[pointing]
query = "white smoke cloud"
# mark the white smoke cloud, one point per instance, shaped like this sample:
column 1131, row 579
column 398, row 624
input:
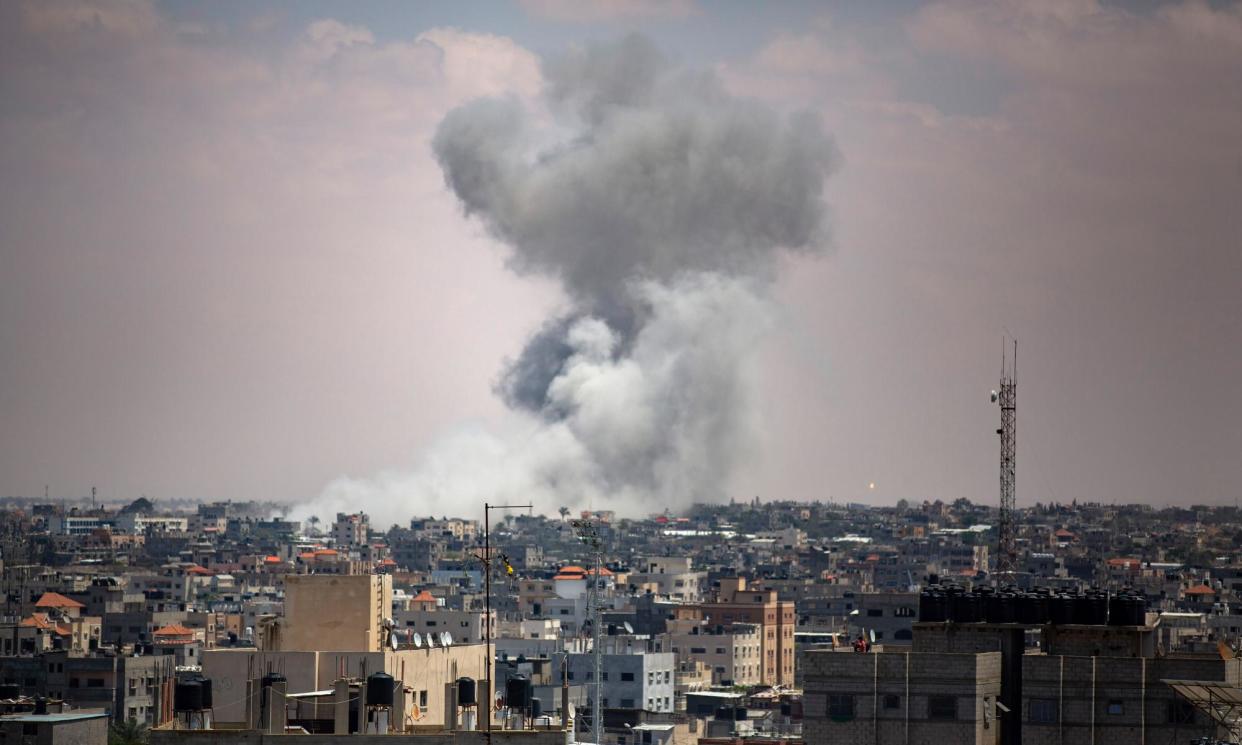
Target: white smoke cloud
column 660, row 426
column 660, row 204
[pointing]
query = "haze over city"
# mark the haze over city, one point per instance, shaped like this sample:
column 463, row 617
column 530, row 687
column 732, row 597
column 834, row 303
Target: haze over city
column 283, row 251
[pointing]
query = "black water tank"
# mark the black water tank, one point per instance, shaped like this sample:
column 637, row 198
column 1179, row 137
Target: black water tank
column 999, row 607
column 10, row 691
column 1061, row 609
column 1099, row 608
column 466, row 692
column 517, row 692
column 739, row 714
column 272, row 678
column 932, row 607
column 188, row 696
column 206, row 684
column 536, row 708
column 1127, row 609
column 724, row 712
column 40, row 705
column 379, row 689
column 964, row 608
column 1032, row 609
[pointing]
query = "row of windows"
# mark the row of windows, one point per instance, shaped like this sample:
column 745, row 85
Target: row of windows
column 841, row 706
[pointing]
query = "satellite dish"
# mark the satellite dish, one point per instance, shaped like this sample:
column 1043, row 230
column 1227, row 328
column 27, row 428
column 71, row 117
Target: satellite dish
column 446, row 639
column 417, row 640
column 628, row 628
column 393, row 641
column 994, row 396
column 431, row 641
column 873, row 636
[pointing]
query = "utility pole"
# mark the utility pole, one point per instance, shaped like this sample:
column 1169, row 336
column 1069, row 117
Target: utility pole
column 588, row 533
column 487, row 604
column 1007, row 398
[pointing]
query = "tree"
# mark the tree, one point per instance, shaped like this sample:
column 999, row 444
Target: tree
column 564, row 513
column 128, row 732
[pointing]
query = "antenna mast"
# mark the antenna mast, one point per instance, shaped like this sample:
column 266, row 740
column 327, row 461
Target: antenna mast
column 1007, row 397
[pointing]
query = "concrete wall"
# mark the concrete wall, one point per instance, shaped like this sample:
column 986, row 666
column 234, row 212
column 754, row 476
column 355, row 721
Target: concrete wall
column 80, row 732
column 226, row 737
column 339, row 612
column 1112, row 701
column 907, row 681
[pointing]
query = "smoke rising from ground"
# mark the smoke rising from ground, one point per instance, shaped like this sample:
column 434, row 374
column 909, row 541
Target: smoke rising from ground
column 660, row 204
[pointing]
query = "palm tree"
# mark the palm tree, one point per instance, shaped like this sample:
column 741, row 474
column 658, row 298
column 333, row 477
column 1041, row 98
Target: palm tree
column 314, row 522
column 128, row 732
column 564, row 513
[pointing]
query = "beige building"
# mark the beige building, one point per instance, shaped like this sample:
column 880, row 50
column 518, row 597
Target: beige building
column 733, row 656
column 423, row 674
column 334, row 612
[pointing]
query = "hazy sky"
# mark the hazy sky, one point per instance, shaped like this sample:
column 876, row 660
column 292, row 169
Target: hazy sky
column 230, row 268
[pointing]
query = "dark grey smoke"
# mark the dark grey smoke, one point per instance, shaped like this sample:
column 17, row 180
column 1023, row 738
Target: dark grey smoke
column 659, row 202
column 645, row 171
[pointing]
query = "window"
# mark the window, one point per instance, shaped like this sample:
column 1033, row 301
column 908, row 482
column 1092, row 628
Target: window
column 941, row 707
column 626, row 677
column 1115, row 707
column 840, row 707
column 892, row 702
column 903, row 612
column 875, row 612
column 422, row 699
column 720, row 650
column 1042, row 711
column 698, row 650
column 603, row 675
column 95, row 683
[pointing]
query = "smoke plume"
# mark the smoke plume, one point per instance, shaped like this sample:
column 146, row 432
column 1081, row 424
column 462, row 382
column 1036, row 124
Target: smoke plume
column 660, row 203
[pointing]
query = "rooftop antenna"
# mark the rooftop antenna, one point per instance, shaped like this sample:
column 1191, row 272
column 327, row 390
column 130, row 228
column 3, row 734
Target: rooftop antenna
column 1007, row 397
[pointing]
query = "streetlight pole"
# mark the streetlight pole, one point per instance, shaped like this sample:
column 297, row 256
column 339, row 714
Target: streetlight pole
column 487, row 603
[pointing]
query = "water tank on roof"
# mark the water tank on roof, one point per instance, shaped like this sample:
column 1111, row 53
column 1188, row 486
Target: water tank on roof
column 380, row 689
column 536, row 708
column 188, row 696
column 206, row 684
column 933, row 606
column 999, row 607
column 517, row 692
column 1061, row 609
column 9, row 691
column 272, row 678
column 466, row 692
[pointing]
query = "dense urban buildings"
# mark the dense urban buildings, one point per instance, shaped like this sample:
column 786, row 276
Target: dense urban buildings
column 771, row 622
